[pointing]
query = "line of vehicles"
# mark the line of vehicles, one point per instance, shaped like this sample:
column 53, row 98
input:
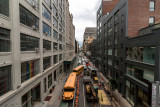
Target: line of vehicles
column 90, row 81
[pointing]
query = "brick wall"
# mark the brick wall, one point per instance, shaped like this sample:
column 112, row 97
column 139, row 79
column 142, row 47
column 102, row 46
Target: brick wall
column 109, row 5
column 138, row 15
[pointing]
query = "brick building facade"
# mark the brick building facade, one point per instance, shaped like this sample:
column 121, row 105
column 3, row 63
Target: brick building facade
column 124, row 50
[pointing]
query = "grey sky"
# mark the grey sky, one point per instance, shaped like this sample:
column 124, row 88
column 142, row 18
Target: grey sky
column 84, row 15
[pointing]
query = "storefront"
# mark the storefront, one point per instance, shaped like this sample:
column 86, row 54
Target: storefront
column 137, row 96
column 32, row 97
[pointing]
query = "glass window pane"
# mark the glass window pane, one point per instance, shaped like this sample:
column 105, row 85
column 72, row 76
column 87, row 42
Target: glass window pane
column 151, row 20
column 4, row 40
column 29, row 69
column 151, row 6
column 29, row 43
column 46, row 45
column 48, row 2
column 46, row 29
column 27, row 18
column 46, row 62
column 34, row 3
column 5, row 79
column 4, row 7
column 46, row 13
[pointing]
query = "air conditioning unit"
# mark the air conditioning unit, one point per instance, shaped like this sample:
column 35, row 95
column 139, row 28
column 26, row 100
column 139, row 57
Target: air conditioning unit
column 36, row 50
column 44, row 49
column 33, row 5
column 34, row 27
column 46, row 33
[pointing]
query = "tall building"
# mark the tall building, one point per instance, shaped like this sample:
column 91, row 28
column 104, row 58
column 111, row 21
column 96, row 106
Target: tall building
column 76, row 47
column 32, row 49
column 70, row 41
column 88, row 37
column 126, row 48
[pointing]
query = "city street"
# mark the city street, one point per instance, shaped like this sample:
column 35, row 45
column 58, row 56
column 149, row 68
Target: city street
column 82, row 98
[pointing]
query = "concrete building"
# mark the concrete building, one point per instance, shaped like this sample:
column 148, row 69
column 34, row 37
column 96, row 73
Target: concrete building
column 76, row 47
column 70, row 41
column 33, row 40
column 123, row 50
column 88, row 37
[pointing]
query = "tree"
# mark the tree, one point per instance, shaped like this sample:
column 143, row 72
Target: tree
column 113, row 85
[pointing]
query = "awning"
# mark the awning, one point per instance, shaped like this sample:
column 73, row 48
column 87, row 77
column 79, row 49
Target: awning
column 70, row 60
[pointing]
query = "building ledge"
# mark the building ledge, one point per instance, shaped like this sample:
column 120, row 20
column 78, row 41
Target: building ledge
column 70, row 60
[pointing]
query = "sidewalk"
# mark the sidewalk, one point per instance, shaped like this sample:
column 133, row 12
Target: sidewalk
column 55, row 101
column 122, row 101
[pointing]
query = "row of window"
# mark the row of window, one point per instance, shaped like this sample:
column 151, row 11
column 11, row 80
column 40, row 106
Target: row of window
column 28, row 43
column 29, row 69
column 33, row 95
column 29, row 19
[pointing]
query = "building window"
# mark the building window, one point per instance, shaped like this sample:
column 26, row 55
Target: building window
column 116, row 52
column 109, row 31
column 29, row 69
column 60, row 47
column 34, row 3
column 116, row 39
column 55, row 34
column 130, row 92
column 4, row 40
column 142, row 74
column 55, row 58
column 55, row 46
column 29, row 43
column 49, row 80
column 151, row 6
column 46, row 62
column 46, row 13
column 116, row 65
column 60, row 57
column 60, row 28
column 151, row 20
column 116, row 27
column 109, row 22
column 5, row 79
column 55, row 22
column 27, row 99
column 109, row 61
column 55, row 12
column 45, row 85
column 27, row 18
column 109, row 41
column 60, row 37
column 116, row 16
column 4, row 7
column 60, row 71
column 142, row 54
column 48, row 2
column 109, row 51
column 46, row 29
column 46, row 45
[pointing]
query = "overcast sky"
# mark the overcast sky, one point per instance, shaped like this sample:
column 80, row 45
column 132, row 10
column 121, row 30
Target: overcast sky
column 84, row 15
